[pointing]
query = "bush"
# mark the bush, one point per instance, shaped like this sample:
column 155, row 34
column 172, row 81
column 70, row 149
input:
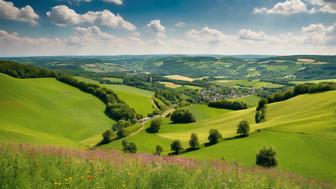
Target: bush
column 155, row 125
column 266, row 157
column 128, row 147
column 232, row 105
column 120, row 111
column 243, row 128
column 214, row 136
column 260, row 115
column 176, row 146
column 182, row 116
column 121, row 124
column 107, row 136
column 158, row 150
column 193, row 142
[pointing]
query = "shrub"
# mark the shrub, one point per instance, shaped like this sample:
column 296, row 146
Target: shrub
column 232, row 105
column 158, row 150
column 266, row 157
column 214, row 136
column 260, row 115
column 182, row 116
column 155, row 125
column 121, row 124
column 193, row 142
column 243, row 128
column 107, row 136
column 128, row 147
column 176, row 146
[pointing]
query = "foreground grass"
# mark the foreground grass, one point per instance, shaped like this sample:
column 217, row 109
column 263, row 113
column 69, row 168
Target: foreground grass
column 26, row 166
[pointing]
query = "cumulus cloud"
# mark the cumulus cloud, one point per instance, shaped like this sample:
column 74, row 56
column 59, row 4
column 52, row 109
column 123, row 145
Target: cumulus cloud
column 156, row 26
column 8, row 11
column 320, row 34
column 180, row 24
column 283, row 8
column 62, row 15
column 247, row 34
column 324, row 6
column 206, row 34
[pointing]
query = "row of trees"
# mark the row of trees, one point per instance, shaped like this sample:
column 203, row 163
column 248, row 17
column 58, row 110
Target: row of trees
column 302, row 89
column 260, row 115
column 115, row 108
column 232, row 105
column 24, row 70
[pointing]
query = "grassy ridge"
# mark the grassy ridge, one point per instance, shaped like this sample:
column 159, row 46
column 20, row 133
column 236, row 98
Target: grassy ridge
column 46, row 167
column 48, row 111
column 139, row 99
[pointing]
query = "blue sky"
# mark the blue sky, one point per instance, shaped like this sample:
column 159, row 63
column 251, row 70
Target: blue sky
column 108, row 27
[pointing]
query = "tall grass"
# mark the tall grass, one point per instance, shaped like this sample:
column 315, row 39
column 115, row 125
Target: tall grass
column 31, row 166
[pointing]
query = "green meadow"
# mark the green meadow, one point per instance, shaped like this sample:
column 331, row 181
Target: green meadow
column 50, row 112
column 301, row 129
column 139, row 99
column 246, row 83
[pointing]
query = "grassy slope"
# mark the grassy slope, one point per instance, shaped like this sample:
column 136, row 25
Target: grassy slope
column 251, row 100
column 47, row 111
column 139, row 99
column 302, row 129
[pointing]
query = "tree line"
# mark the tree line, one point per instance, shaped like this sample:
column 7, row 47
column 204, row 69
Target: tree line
column 232, row 105
column 25, row 70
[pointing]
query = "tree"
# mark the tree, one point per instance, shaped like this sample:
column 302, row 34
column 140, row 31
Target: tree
column 182, row 116
column 124, row 144
column 158, row 150
column 193, row 142
column 243, row 128
column 266, row 157
column 214, row 136
column 155, row 125
column 132, row 148
column 176, row 146
column 107, row 136
column 262, row 103
column 122, row 132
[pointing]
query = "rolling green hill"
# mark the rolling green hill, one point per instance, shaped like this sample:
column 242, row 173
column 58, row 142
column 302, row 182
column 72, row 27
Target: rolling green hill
column 139, row 99
column 48, row 111
column 302, row 130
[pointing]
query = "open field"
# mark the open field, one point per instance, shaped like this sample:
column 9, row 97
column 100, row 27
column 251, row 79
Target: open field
column 50, row 112
column 179, row 77
column 50, row 167
column 301, row 129
column 313, row 81
column 170, row 85
column 139, row 99
column 251, row 100
column 246, row 83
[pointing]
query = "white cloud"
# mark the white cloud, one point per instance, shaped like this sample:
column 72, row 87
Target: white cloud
column 289, row 7
column 209, row 35
column 283, row 8
column 320, row 34
column 117, row 2
column 155, row 26
column 324, row 6
column 247, row 34
column 62, row 15
column 8, row 11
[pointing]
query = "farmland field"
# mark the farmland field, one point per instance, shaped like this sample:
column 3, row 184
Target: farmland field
column 246, row 83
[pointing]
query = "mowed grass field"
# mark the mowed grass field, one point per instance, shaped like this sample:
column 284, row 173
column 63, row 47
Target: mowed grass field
column 313, row 81
column 50, row 112
column 139, row 99
column 251, row 100
column 301, row 129
column 246, row 83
